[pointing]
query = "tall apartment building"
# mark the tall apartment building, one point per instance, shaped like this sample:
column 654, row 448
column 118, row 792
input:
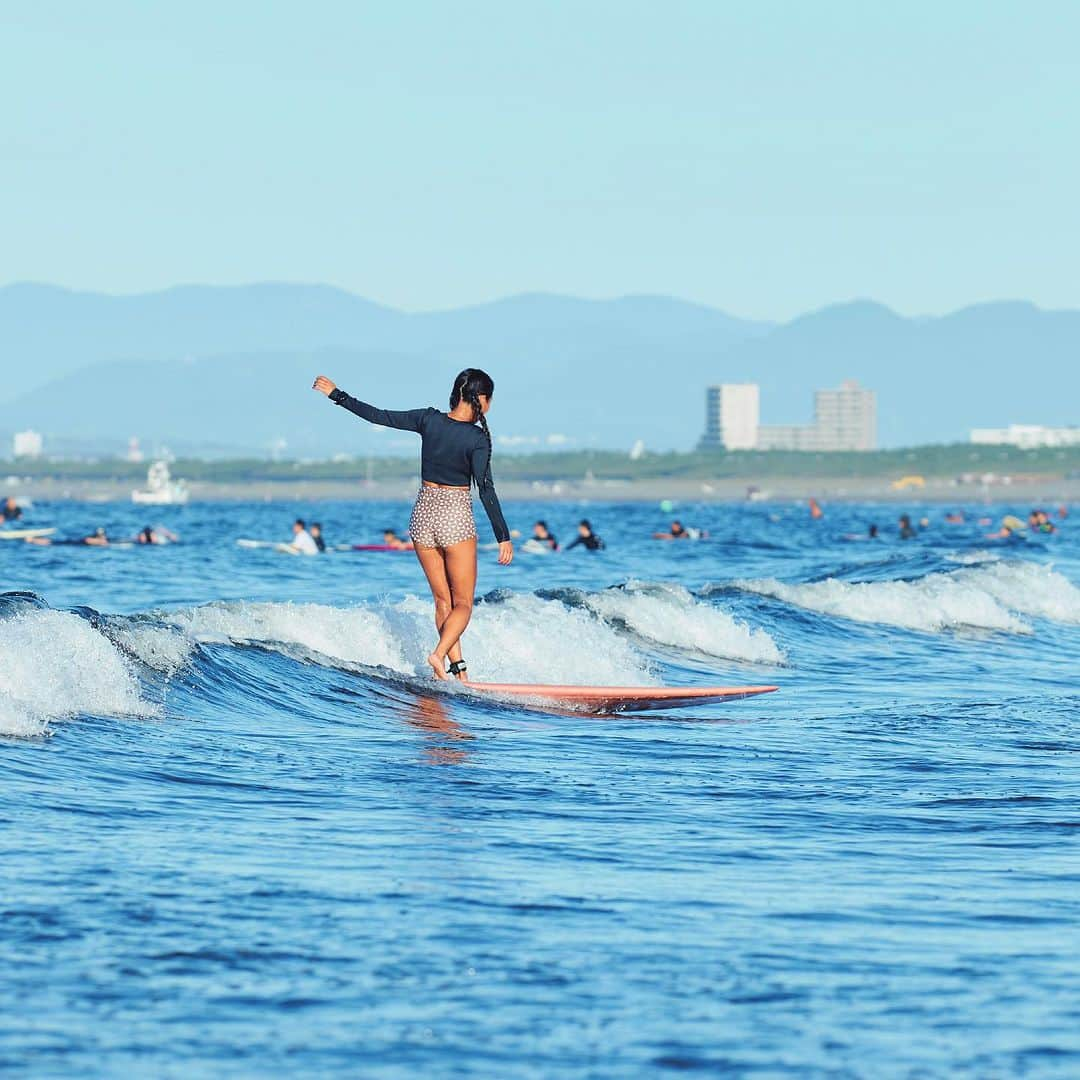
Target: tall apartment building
column 846, row 418
column 731, row 417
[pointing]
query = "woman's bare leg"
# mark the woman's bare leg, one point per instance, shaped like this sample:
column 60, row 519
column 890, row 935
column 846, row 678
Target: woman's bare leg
column 433, row 563
column 459, row 561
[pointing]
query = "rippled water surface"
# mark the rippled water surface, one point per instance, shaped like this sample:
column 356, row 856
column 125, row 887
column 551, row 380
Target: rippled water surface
column 243, row 835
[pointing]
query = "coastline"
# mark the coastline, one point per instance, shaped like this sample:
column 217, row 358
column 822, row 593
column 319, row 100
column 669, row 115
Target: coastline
column 1030, row 489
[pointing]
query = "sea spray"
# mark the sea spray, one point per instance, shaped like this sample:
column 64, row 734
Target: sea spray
column 53, row 665
column 994, row 596
column 354, row 634
column 669, row 615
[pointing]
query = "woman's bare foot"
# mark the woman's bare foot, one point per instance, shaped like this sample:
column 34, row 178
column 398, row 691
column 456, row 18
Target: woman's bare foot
column 437, row 663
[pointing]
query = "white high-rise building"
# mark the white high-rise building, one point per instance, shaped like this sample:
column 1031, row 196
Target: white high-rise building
column 846, row 418
column 732, row 411
column 28, row 444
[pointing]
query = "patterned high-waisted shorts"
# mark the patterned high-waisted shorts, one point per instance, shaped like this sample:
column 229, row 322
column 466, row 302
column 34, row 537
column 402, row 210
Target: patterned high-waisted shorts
column 442, row 516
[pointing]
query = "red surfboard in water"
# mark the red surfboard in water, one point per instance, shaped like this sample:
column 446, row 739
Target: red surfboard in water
column 618, row 698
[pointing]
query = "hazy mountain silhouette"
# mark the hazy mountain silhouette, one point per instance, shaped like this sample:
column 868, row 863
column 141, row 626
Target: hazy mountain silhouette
column 201, row 365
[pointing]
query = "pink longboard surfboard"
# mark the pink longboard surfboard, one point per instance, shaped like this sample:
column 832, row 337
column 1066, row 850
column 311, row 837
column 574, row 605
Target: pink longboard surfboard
column 619, row 698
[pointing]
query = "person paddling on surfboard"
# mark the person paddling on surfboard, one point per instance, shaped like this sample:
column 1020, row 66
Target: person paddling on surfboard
column 391, row 539
column 454, row 453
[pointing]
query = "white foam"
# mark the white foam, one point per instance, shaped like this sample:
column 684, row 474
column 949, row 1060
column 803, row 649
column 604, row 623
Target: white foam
column 670, row 615
column 55, row 665
column 989, row 597
column 521, row 639
column 355, row 634
column 162, row 648
column 524, row 639
column 1030, row 588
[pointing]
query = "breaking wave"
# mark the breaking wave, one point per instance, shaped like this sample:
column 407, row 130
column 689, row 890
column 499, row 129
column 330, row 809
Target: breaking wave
column 999, row 596
column 55, row 665
column 670, row 615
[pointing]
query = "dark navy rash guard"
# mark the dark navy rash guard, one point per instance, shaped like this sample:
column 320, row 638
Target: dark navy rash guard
column 453, row 452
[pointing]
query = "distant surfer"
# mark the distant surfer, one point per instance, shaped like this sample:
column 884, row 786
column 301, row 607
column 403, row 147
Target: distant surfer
column 11, row 510
column 586, row 537
column 1011, row 526
column 454, row 454
column 156, row 534
column 303, row 543
column 1039, row 521
column 906, row 530
column 392, row 540
column 815, row 510
column 679, row 531
column 317, row 536
column 98, row 538
column 870, row 534
column 544, row 537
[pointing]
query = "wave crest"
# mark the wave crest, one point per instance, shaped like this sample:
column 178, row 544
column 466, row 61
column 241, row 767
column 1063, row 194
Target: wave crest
column 54, row 665
column 992, row 596
column 669, row 615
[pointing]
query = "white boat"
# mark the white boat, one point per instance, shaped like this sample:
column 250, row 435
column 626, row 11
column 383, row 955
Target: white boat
column 161, row 488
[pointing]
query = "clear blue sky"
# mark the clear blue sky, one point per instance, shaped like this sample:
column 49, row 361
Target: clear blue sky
column 764, row 157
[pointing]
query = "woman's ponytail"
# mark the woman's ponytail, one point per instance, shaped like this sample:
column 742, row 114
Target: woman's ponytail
column 470, row 385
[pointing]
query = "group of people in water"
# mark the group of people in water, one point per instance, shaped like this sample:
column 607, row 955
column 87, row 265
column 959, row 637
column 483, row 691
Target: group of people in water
column 1011, row 527
column 543, row 537
column 100, row 538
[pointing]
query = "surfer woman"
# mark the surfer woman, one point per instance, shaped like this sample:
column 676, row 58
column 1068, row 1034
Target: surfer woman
column 454, row 453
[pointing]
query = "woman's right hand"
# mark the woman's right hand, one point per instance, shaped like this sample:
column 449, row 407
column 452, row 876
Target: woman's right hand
column 323, row 385
column 506, row 552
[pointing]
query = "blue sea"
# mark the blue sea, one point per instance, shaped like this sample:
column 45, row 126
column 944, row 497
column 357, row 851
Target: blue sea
column 243, row 835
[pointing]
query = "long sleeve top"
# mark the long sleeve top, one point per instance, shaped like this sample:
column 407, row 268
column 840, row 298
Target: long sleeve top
column 453, row 452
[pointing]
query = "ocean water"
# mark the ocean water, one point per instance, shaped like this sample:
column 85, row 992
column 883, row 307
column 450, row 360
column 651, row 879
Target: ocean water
column 244, row 835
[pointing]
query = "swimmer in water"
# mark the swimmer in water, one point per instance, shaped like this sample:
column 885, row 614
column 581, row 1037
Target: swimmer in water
column 676, row 532
column 1011, row 526
column 586, row 537
column 317, row 536
column 156, row 534
column 543, row 535
column 906, row 531
column 955, row 518
column 1043, row 523
column 392, row 540
column 11, row 510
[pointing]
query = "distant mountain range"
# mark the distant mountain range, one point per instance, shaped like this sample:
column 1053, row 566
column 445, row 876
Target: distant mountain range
column 229, row 368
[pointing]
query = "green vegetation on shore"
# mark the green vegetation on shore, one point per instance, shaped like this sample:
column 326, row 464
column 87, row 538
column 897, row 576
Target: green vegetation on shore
column 926, row 461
